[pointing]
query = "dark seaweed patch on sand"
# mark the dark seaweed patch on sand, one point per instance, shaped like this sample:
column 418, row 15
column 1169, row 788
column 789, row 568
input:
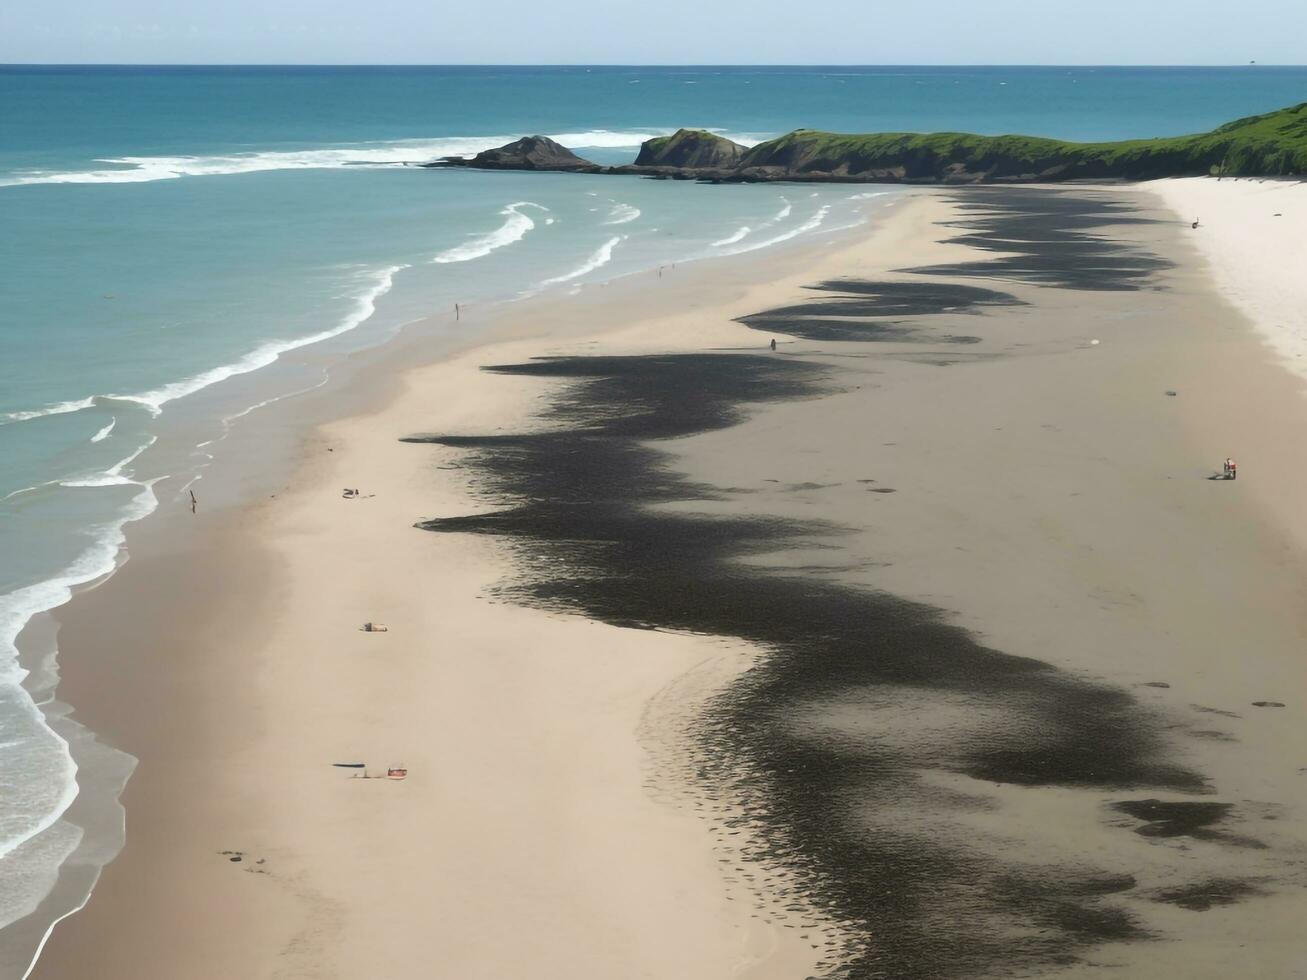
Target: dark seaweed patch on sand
column 1208, row 894
column 1201, row 821
column 1171, row 819
column 822, row 751
column 1053, row 237
column 845, row 315
column 909, row 298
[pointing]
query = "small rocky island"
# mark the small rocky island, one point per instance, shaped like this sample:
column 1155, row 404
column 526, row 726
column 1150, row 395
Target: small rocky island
column 528, row 153
column 1273, row 144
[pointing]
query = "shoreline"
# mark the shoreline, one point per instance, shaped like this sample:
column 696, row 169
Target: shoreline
column 368, row 385
column 267, row 549
column 253, row 459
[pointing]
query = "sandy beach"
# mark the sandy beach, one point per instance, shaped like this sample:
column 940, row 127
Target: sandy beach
column 925, row 645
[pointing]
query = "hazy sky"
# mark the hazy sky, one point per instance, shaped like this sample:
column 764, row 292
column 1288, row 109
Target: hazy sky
column 657, row 32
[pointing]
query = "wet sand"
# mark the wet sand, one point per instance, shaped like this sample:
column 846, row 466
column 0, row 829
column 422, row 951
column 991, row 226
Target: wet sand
column 921, row 647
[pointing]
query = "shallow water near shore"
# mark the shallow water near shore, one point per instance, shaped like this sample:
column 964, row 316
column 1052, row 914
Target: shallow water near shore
column 185, row 245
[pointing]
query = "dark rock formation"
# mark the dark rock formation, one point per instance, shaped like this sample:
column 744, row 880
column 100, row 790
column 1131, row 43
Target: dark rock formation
column 528, row 153
column 691, row 149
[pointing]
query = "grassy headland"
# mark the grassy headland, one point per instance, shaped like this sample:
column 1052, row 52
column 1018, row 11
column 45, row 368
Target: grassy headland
column 1274, row 143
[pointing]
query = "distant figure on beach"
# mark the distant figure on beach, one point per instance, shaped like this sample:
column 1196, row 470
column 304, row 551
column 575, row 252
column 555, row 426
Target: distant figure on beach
column 1231, row 469
column 193, row 501
column 457, row 312
column 1195, row 224
column 375, row 628
column 773, row 343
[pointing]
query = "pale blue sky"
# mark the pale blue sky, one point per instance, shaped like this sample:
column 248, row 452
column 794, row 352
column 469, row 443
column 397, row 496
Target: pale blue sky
column 657, row 32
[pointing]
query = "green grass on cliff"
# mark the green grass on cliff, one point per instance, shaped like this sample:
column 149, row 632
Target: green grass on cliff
column 1271, row 144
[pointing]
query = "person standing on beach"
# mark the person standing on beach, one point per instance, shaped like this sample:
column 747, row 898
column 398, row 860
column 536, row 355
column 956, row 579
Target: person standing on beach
column 773, row 343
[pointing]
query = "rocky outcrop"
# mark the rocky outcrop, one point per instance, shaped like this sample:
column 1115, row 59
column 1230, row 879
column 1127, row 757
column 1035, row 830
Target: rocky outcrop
column 690, row 149
column 1272, row 144
column 528, row 153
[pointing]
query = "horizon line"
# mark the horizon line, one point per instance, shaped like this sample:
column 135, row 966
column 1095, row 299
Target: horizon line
column 624, row 65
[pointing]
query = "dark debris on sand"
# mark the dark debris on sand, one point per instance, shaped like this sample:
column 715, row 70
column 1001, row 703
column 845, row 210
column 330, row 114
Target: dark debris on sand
column 576, row 498
column 1058, row 238
column 846, row 314
column 1208, row 894
column 807, row 780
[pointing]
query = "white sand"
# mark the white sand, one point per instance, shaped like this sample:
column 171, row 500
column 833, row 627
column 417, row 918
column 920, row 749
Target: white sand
column 1253, row 233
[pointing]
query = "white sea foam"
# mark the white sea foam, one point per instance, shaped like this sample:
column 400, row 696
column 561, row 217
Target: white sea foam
column 38, row 781
column 236, row 416
column 104, row 433
column 744, row 231
column 24, row 490
column 514, row 229
column 31, row 870
column 599, row 258
column 113, row 476
column 811, row 224
column 141, row 169
column 622, row 214
column 732, row 239
column 365, row 304
column 58, row 408
column 390, row 153
column 606, row 139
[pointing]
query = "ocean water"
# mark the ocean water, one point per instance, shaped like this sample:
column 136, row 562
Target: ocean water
column 181, row 245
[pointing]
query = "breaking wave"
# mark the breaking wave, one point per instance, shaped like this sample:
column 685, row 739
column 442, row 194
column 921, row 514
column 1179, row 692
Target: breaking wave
column 365, row 305
column 732, row 239
column 514, row 229
column 390, row 153
column 598, row 259
column 622, row 214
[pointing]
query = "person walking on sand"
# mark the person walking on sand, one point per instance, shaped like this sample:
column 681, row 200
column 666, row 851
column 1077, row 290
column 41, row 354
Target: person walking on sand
column 773, row 343
column 1231, row 469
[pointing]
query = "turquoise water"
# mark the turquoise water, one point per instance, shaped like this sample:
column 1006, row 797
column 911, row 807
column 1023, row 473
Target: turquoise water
column 180, row 244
